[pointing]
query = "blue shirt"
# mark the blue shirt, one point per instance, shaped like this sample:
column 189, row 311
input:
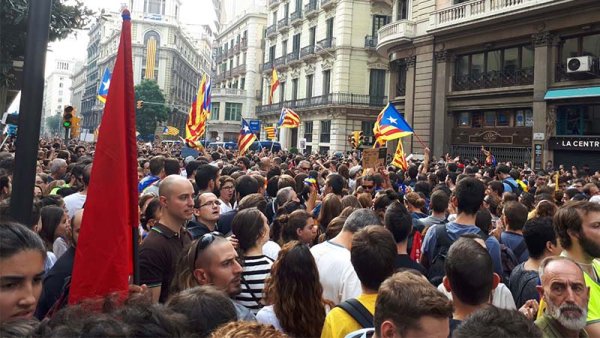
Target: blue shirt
column 512, row 241
column 507, row 187
column 146, row 182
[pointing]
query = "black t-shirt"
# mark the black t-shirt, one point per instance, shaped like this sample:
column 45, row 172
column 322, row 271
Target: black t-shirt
column 454, row 324
column 404, row 262
column 159, row 253
column 522, row 285
column 54, row 282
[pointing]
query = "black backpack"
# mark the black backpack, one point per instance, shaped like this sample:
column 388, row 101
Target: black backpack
column 510, row 259
column 436, row 271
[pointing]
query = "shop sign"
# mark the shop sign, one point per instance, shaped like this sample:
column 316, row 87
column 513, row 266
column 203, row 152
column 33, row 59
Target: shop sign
column 575, row 143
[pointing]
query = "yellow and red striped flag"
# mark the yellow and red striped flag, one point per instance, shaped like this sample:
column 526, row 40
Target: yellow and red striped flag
column 246, row 138
column 196, row 122
column 270, row 132
column 274, row 85
column 399, row 160
column 288, row 119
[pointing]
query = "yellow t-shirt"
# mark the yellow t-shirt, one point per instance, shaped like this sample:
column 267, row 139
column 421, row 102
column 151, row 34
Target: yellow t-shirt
column 339, row 323
column 594, row 302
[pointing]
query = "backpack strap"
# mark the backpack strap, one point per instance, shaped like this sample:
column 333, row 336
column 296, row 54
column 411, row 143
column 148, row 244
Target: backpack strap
column 357, row 311
column 518, row 251
column 514, row 188
column 443, row 240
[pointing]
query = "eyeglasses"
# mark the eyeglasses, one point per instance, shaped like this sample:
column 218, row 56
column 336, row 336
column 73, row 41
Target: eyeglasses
column 304, row 168
column 229, row 187
column 211, row 203
column 203, row 242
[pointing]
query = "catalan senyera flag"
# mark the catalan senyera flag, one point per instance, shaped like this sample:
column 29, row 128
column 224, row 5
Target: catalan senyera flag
column 379, row 141
column 104, row 255
column 150, row 58
column 246, row 137
column 274, row 85
column 103, row 90
column 196, row 122
column 392, row 125
column 399, row 160
column 288, row 119
column 270, row 132
column 169, row 130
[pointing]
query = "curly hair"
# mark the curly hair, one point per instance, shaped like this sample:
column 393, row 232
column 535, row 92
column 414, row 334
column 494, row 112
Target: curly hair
column 295, row 292
column 243, row 329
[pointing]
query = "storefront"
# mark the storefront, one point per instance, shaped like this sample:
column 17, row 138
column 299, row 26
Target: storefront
column 578, row 151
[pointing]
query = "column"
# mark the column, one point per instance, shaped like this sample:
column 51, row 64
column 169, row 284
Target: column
column 409, row 101
column 442, row 127
column 542, row 60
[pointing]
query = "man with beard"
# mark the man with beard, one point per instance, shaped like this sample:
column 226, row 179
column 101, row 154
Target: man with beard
column 577, row 226
column 566, row 296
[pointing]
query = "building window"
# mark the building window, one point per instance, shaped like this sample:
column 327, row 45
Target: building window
column 401, row 79
column 377, row 84
column 581, row 120
column 326, row 82
column 495, row 118
column 505, row 67
column 402, row 10
column 154, row 6
column 294, row 89
column 378, row 22
column 214, row 110
column 281, row 91
column 308, row 130
column 60, row 85
column 579, row 46
column 233, row 111
column 309, row 86
column 325, row 131
column 242, row 83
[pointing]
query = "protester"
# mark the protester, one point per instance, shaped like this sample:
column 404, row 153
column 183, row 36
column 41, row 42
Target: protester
column 297, row 226
column 498, row 323
column 55, row 225
column 22, row 255
column 252, row 231
column 294, row 294
column 398, row 221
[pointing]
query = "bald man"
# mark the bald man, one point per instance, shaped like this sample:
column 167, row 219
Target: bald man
column 161, row 248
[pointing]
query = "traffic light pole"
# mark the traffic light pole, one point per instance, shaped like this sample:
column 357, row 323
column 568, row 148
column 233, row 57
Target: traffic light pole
column 66, row 135
column 38, row 25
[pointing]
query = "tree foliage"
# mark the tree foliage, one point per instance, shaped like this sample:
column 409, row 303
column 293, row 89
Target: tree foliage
column 53, row 125
column 13, row 28
column 154, row 109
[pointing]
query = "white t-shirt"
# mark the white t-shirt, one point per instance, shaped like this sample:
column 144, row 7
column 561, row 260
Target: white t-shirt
column 267, row 316
column 271, row 250
column 225, row 207
column 336, row 273
column 74, row 202
column 501, row 297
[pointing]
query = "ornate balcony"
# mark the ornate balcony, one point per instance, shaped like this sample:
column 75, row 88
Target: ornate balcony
column 311, row 9
column 230, row 52
column 244, row 44
column 477, row 11
column 307, row 52
column 241, row 69
column 218, row 57
column 327, row 4
column 561, row 74
column 266, row 67
column 332, row 99
column 271, row 31
column 283, row 25
column 273, row 3
column 228, row 92
column 371, row 42
column 394, row 34
column 325, row 45
column 293, row 57
column 296, row 18
column 493, row 79
column 236, row 48
column 279, row 62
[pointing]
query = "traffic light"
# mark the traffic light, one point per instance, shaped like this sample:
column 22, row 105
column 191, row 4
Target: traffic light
column 352, row 141
column 68, row 117
column 140, row 104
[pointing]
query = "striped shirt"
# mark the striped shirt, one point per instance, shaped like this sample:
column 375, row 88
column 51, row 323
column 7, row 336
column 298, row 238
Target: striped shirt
column 256, row 270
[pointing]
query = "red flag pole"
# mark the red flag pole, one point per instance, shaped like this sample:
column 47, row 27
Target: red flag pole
column 419, row 139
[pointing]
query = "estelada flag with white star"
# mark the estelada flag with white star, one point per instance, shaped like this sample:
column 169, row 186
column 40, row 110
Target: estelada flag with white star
column 392, row 125
column 103, row 90
column 246, row 137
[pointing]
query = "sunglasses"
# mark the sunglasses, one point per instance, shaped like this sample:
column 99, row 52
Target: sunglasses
column 203, row 242
column 367, row 187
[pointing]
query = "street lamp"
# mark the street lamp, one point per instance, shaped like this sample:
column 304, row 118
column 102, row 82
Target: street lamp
column 217, row 138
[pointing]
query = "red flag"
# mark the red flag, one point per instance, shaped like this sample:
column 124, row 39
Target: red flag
column 104, row 255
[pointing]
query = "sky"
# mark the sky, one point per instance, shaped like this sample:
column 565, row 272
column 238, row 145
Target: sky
column 74, row 47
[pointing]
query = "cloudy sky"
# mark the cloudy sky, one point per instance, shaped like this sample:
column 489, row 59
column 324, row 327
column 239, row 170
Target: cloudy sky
column 192, row 12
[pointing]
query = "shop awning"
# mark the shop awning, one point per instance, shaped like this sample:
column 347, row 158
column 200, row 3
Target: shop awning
column 571, row 93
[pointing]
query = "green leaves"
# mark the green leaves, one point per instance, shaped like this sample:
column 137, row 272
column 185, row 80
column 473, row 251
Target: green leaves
column 154, row 109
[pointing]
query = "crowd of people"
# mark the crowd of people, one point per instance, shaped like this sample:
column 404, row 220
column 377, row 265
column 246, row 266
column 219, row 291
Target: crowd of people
column 290, row 245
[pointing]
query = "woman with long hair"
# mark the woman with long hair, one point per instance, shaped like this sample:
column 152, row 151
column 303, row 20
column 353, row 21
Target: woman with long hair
column 22, row 256
column 294, row 294
column 55, row 224
column 330, row 209
column 297, row 226
column 251, row 229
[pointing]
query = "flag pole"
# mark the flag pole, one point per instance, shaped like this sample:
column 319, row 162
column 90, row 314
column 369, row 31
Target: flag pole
column 419, row 139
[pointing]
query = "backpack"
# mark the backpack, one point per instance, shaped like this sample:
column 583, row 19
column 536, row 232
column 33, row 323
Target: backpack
column 415, row 248
column 358, row 312
column 436, row 272
column 510, row 259
column 515, row 188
